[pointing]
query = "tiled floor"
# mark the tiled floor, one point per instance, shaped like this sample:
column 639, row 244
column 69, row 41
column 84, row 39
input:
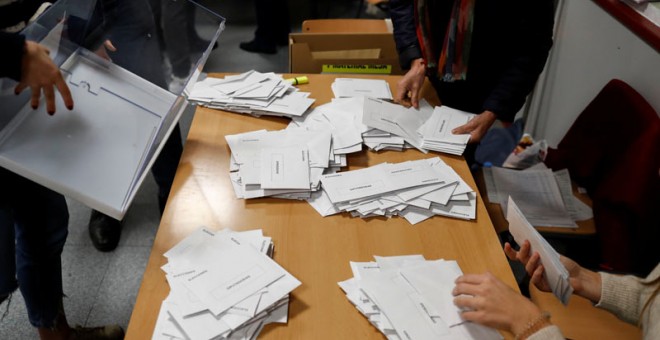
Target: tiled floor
column 101, row 287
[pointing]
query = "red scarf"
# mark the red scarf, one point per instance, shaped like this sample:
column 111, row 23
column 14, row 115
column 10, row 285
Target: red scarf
column 452, row 64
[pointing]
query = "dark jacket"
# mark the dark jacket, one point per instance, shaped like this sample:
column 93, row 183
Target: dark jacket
column 12, row 55
column 510, row 44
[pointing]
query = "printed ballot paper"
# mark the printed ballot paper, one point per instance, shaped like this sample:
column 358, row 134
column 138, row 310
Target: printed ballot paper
column 555, row 272
column 352, row 87
column 409, row 297
column 223, row 285
column 538, row 194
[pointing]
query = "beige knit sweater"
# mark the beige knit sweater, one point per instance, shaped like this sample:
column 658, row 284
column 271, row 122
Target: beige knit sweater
column 624, row 296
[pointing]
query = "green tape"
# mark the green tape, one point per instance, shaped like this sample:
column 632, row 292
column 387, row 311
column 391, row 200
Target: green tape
column 364, row 69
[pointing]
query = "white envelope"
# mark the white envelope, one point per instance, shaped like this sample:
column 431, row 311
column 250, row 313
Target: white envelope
column 285, row 168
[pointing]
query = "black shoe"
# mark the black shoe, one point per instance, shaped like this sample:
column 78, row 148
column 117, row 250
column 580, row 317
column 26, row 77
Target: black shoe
column 104, row 231
column 3, row 298
column 109, row 332
column 256, row 46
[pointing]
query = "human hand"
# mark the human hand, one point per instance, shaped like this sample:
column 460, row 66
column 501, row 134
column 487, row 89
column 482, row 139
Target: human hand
column 585, row 283
column 102, row 51
column 409, row 87
column 477, row 126
column 39, row 73
column 488, row 301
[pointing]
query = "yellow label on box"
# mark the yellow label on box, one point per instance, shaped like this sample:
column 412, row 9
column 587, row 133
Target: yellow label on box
column 365, row 69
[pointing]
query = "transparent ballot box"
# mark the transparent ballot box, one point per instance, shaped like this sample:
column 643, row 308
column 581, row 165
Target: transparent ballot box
column 127, row 64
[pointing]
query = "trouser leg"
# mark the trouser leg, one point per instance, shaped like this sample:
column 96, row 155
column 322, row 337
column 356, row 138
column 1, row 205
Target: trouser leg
column 165, row 166
column 176, row 33
column 8, row 282
column 41, row 227
column 272, row 20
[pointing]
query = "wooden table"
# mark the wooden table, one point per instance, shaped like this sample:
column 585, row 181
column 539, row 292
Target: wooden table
column 316, row 250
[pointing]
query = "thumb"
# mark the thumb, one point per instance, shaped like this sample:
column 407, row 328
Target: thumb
column 463, row 129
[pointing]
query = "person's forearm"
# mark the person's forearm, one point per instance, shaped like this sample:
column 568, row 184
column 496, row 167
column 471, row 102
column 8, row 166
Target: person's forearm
column 588, row 284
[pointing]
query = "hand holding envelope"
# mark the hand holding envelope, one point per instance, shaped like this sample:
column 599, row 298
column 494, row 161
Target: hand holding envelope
column 555, row 272
column 409, row 297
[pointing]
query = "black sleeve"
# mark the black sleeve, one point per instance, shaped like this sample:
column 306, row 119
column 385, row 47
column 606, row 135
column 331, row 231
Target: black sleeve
column 534, row 40
column 402, row 13
column 13, row 46
column 18, row 11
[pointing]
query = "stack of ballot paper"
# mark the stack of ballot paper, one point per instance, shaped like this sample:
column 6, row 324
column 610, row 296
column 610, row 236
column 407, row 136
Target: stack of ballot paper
column 416, row 190
column 410, row 298
column 223, row 285
column 538, row 195
column 436, row 131
column 351, row 87
column 555, row 272
column 286, row 163
column 252, row 93
column 545, row 198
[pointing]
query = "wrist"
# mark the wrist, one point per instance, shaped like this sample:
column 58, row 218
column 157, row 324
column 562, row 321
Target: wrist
column 419, row 65
column 28, row 51
column 588, row 285
column 525, row 313
column 538, row 322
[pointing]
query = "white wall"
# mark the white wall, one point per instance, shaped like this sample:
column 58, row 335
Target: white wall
column 591, row 47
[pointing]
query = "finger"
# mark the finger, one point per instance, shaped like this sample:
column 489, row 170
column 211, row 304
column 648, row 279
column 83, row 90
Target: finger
column 405, row 101
column 523, row 253
column 474, row 316
column 510, row 252
column 414, row 97
column 50, row 99
column 19, row 88
column 533, row 263
column 466, row 302
column 537, row 278
column 400, row 95
column 108, row 44
column 470, row 278
column 64, row 92
column 463, row 129
column 475, row 136
column 36, row 95
column 471, row 289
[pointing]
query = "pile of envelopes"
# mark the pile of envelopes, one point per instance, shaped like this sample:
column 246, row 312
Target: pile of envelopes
column 252, row 93
column 396, row 120
column 382, row 125
column 436, row 131
column 408, row 297
column 555, row 272
column 285, row 163
column 415, row 190
column 345, row 118
column 223, row 285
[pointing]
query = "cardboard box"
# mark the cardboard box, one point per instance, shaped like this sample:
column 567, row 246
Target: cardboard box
column 363, row 53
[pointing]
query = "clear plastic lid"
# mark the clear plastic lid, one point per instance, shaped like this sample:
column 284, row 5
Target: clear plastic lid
column 127, row 63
